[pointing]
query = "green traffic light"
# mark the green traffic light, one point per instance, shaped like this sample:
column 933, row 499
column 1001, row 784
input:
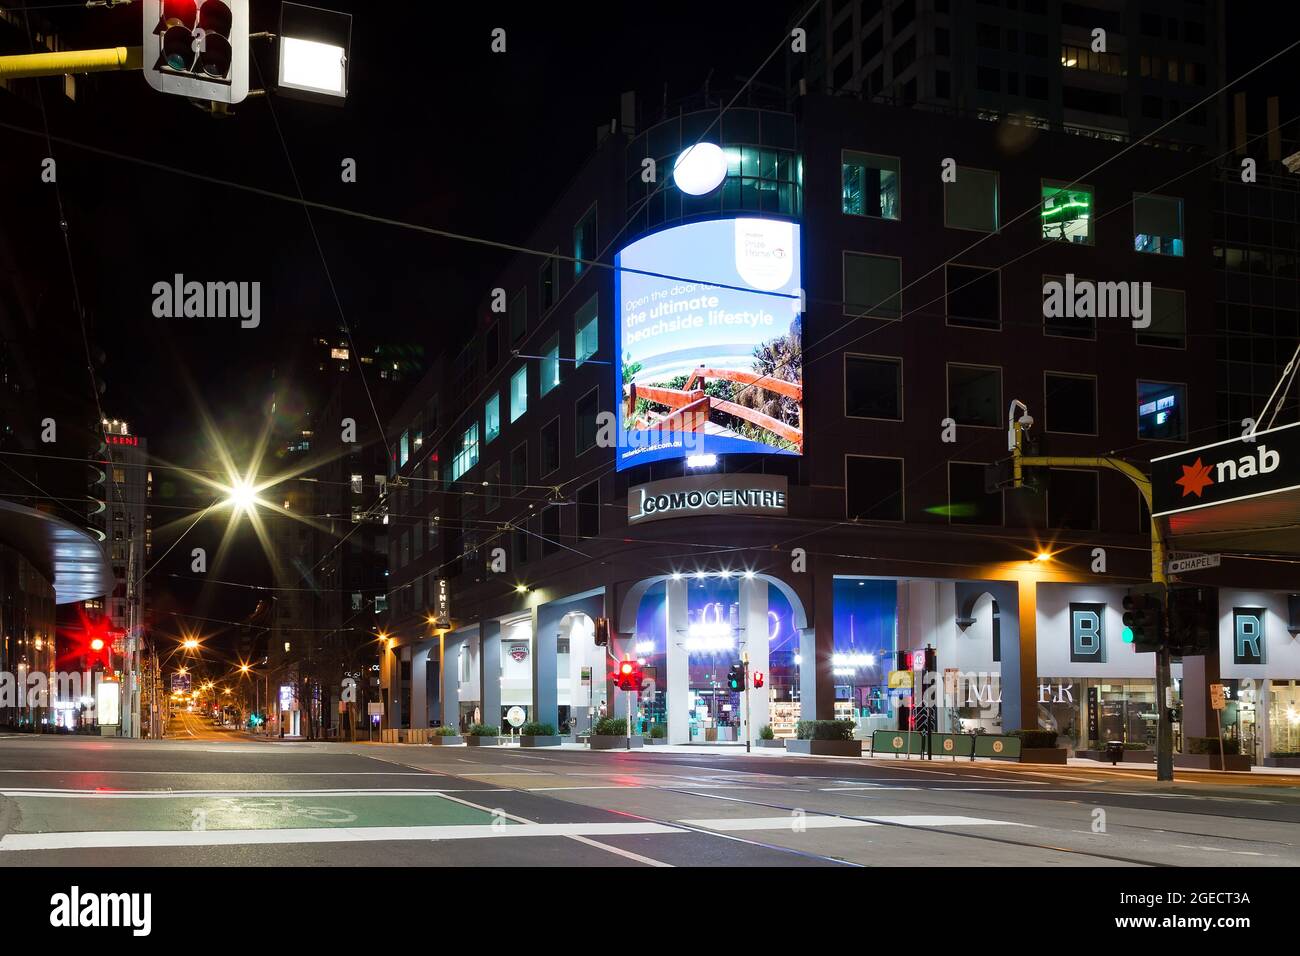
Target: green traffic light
column 1127, row 634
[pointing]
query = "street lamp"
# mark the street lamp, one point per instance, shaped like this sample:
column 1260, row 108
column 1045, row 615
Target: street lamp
column 314, row 47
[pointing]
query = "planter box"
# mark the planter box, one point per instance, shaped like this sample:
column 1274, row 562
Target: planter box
column 481, row 741
column 774, row 744
column 528, row 740
column 656, row 741
column 1043, row 755
column 825, row 748
column 439, row 741
column 1282, row 761
column 1211, row 762
column 603, row 742
column 1130, row 756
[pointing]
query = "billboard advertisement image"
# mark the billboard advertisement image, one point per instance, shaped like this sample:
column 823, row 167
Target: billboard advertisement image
column 708, row 341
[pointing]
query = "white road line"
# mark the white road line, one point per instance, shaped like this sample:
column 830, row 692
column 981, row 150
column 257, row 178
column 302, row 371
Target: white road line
column 618, row 851
column 110, row 839
column 173, row 794
column 946, row 821
column 234, row 773
column 737, row 824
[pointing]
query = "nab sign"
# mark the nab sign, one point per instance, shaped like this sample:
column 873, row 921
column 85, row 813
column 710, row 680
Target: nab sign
column 1233, row 470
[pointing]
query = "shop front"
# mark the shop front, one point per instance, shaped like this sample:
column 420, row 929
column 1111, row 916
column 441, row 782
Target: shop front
column 1259, row 665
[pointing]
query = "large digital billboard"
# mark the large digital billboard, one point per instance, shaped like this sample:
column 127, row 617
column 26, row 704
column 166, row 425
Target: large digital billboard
column 708, row 341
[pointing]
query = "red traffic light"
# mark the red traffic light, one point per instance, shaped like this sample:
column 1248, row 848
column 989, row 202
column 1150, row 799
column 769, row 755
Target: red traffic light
column 97, row 644
column 758, row 678
column 628, row 676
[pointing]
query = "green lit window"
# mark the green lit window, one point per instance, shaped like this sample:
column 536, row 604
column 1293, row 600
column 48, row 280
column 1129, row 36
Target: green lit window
column 518, row 393
column 586, row 337
column 1067, row 212
column 466, row 454
column 492, row 419
column 870, row 185
column 550, row 366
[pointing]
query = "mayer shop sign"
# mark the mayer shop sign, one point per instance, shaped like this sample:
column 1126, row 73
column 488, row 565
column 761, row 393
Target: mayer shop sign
column 710, row 494
column 1233, row 470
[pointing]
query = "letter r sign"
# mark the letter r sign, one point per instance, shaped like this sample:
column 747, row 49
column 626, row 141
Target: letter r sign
column 1087, row 641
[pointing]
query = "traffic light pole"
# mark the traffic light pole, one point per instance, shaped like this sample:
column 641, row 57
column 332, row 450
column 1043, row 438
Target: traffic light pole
column 1021, row 461
column 744, row 669
column 107, row 60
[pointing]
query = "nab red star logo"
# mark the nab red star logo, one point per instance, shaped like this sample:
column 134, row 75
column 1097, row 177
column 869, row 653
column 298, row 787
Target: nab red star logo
column 1195, row 478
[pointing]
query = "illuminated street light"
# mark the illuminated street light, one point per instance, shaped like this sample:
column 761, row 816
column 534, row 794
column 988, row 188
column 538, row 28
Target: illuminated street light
column 314, row 47
column 190, row 644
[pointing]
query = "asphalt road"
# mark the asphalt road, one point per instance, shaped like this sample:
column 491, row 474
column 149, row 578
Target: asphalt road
column 207, row 796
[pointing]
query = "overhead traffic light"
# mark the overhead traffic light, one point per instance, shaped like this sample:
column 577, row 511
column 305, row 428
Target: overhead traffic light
column 1142, row 621
column 602, row 632
column 736, row 677
column 931, row 661
column 1193, row 620
column 197, row 48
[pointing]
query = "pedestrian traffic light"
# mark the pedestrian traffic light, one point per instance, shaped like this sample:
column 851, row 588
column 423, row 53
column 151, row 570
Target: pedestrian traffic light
column 931, row 660
column 628, row 675
column 736, row 677
column 1142, row 621
column 197, row 48
column 602, row 632
column 758, row 678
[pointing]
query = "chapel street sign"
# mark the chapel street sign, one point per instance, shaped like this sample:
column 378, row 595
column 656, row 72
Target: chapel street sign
column 1267, row 463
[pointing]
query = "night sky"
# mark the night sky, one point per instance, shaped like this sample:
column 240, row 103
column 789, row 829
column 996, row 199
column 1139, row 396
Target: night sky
column 444, row 132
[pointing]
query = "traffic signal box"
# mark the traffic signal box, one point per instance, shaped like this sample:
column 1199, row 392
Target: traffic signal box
column 736, row 677
column 1143, row 614
column 628, row 675
column 1193, row 614
column 197, row 48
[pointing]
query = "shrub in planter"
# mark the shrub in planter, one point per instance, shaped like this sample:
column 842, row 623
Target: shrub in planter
column 534, row 729
column 1284, row 753
column 658, row 732
column 1210, row 745
column 611, row 727
column 484, row 730
column 765, row 733
column 1034, row 739
column 445, row 732
column 825, row 730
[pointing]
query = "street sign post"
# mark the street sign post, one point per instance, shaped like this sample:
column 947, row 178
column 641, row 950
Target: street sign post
column 1195, row 563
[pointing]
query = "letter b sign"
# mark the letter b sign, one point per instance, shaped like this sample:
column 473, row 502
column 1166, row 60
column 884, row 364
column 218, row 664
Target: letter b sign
column 1087, row 644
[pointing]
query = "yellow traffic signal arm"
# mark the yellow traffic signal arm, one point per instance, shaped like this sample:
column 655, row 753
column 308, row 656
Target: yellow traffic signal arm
column 70, row 61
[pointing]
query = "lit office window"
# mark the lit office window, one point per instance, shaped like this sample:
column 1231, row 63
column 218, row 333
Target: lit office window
column 492, row 418
column 550, row 366
column 467, row 454
column 586, row 337
column 1067, row 213
column 1158, row 224
column 1161, row 408
column 870, row 185
column 518, row 393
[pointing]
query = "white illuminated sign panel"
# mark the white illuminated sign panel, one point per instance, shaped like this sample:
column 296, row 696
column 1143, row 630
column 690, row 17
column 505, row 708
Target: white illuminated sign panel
column 740, row 494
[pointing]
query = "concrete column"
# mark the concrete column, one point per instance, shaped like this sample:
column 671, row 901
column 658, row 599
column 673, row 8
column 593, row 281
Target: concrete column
column 816, row 648
column 1199, row 718
column 546, row 631
column 450, row 656
column 489, row 671
column 677, row 679
column 1020, row 661
column 753, row 618
column 419, row 686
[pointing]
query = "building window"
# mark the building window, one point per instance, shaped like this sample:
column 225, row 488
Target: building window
column 467, row 454
column 492, row 418
column 433, row 532
column 518, row 468
column 550, row 530
column 873, row 387
column 358, row 484
column 492, row 487
column 1065, row 325
column 1070, row 403
column 548, row 281
column 872, row 285
column 873, row 488
column 870, row 185
column 1067, row 212
column 587, row 408
column 404, row 449
column 975, row 395
column 1162, row 411
column 1168, row 314
column 968, row 502
column 586, row 336
column 519, row 315
column 589, row 510
column 973, row 297
column 519, row 545
column 518, row 393
column 584, row 240
column 491, row 347
column 550, row 446
column 1158, row 224
column 971, row 202
column 550, row 367
column 1072, row 499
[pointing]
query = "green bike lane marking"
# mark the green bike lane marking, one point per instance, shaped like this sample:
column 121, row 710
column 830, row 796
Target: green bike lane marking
column 63, row 814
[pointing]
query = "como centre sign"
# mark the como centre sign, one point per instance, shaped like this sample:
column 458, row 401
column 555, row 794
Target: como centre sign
column 706, row 495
